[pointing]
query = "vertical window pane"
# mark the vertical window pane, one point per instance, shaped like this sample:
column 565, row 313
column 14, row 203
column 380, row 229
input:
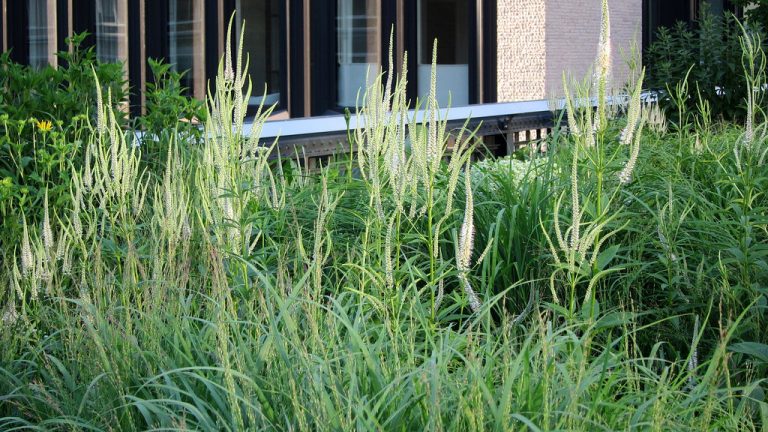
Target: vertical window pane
column 42, row 32
column 185, row 43
column 446, row 21
column 358, row 41
column 111, row 31
column 262, row 43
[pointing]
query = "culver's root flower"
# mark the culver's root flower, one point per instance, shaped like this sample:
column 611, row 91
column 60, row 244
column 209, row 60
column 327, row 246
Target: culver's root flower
column 10, row 316
column 573, row 126
column 474, row 301
column 440, row 294
column 634, row 112
column 655, row 117
column 388, row 268
column 625, row 176
column 467, row 233
column 27, row 259
column 48, row 239
column 604, row 44
column 603, row 65
column 229, row 73
column 434, row 151
column 575, row 206
column 100, row 117
column 466, row 243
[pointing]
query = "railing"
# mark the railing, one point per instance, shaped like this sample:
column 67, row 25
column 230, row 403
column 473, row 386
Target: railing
column 318, row 137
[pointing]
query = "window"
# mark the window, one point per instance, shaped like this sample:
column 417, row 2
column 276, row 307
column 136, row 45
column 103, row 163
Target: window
column 358, row 43
column 111, row 30
column 185, row 43
column 449, row 22
column 346, row 47
column 42, row 32
column 3, row 27
column 263, row 44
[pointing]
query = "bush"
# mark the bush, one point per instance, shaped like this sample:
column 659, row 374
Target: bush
column 46, row 119
column 167, row 104
column 708, row 55
column 62, row 93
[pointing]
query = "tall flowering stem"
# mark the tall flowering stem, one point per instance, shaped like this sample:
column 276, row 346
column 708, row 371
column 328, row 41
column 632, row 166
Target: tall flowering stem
column 603, row 66
column 466, row 243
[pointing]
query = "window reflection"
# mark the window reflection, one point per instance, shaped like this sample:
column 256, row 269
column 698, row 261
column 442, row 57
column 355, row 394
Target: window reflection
column 262, row 43
column 42, row 17
column 111, row 31
column 185, row 43
column 357, row 31
column 446, row 21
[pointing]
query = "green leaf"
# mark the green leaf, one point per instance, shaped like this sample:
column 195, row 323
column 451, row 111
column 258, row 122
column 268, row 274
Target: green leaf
column 607, row 256
column 753, row 349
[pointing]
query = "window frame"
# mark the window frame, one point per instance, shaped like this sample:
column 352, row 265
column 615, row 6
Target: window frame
column 285, row 104
column 157, row 18
column 324, row 49
column 475, row 55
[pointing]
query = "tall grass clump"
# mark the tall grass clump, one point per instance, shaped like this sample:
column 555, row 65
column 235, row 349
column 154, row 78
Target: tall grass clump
column 405, row 289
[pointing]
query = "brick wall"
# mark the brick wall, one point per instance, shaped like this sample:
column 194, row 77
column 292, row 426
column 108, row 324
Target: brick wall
column 538, row 40
column 521, row 49
column 573, row 32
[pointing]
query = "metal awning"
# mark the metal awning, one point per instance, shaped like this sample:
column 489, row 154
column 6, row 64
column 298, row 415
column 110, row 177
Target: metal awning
column 326, row 135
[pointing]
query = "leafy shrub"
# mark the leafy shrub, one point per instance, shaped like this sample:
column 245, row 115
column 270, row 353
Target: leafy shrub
column 167, row 104
column 711, row 51
column 46, row 119
column 755, row 11
column 61, row 93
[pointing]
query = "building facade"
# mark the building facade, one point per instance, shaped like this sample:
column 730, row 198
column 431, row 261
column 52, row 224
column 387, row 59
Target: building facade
column 313, row 56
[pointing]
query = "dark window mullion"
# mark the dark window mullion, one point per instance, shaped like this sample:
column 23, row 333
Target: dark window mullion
column 411, row 24
column 474, row 56
column 84, row 19
column 295, row 54
column 135, row 61
column 62, row 27
column 388, row 18
column 212, row 25
column 322, row 65
column 3, row 41
column 18, row 35
column 156, row 28
column 283, row 55
column 489, row 52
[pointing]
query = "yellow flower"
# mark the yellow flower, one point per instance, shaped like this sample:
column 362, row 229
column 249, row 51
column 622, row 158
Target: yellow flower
column 44, row 126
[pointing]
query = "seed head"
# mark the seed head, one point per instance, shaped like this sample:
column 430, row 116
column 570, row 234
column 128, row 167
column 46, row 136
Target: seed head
column 27, row 259
column 48, row 239
column 467, row 233
column 474, row 300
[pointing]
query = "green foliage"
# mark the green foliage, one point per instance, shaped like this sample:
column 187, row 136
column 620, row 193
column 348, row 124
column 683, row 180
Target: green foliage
column 47, row 118
column 755, row 11
column 710, row 49
column 61, row 93
column 615, row 282
column 167, row 104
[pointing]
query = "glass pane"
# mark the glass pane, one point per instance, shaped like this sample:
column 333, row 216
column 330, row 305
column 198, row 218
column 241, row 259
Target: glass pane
column 111, row 31
column 357, row 31
column 41, row 32
column 262, row 43
column 446, row 21
column 185, row 43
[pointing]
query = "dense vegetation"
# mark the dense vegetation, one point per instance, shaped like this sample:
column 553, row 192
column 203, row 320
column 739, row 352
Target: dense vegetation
column 617, row 281
column 706, row 57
